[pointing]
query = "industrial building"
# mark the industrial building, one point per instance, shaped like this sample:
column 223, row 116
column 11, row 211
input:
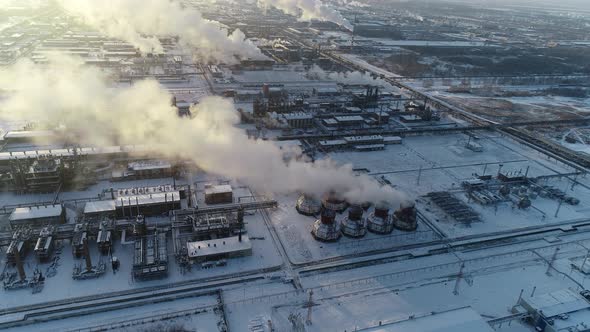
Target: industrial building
column 221, row 194
column 218, row 249
column 38, row 216
column 99, row 210
column 149, row 169
column 150, row 258
column 563, row 310
column 299, row 120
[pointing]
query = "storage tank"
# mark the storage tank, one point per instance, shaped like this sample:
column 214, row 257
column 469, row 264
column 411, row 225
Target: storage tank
column 380, row 221
column 332, row 202
column 404, row 218
column 326, row 228
column 308, row 205
column 353, row 224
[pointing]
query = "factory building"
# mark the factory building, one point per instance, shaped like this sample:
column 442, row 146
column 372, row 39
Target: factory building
column 298, row 120
column 359, row 143
column 155, row 204
column 38, row 216
column 218, row 249
column 99, row 210
column 149, row 169
column 563, row 310
column 42, row 175
column 29, row 136
column 344, row 121
column 150, row 257
column 222, row 194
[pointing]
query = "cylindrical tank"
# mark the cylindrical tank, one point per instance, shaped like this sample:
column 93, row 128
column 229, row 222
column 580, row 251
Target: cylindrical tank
column 332, row 202
column 355, row 213
column 328, row 216
column 405, row 217
column 380, row 221
column 381, row 211
column 326, row 228
column 353, row 224
column 307, row 205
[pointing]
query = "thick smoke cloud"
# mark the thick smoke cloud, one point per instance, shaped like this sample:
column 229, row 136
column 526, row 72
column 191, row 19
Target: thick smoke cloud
column 307, row 10
column 139, row 22
column 70, row 95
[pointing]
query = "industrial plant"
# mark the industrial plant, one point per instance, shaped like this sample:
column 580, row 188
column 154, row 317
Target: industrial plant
column 314, row 165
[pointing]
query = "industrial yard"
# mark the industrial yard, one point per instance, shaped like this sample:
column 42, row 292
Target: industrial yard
column 349, row 166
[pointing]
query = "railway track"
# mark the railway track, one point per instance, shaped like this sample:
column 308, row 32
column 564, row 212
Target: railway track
column 74, row 307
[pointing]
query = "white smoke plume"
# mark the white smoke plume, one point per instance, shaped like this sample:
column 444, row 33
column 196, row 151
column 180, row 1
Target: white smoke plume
column 81, row 98
column 139, row 22
column 307, row 10
column 351, row 77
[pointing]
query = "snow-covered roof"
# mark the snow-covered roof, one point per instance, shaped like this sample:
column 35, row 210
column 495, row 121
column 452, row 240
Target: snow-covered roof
column 221, row 189
column 297, row 116
column 99, row 206
column 349, row 118
column 148, row 199
column 36, row 212
column 333, row 142
column 368, row 138
column 28, row 134
column 151, row 164
column 71, row 152
column 457, row 320
column 392, row 139
column 560, row 302
column 218, row 246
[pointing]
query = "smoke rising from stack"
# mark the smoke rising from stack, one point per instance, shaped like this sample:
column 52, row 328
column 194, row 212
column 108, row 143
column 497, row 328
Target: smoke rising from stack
column 352, row 77
column 307, row 10
column 69, row 95
column 139, row 22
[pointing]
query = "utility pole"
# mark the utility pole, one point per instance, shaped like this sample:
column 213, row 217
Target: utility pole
column 459, row 276
column 309, row 307
column 552, row 261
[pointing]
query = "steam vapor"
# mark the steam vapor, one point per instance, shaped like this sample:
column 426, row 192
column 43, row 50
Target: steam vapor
column 139, row 22
column 309, row 9
column 76, row 97
column 352, row 77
